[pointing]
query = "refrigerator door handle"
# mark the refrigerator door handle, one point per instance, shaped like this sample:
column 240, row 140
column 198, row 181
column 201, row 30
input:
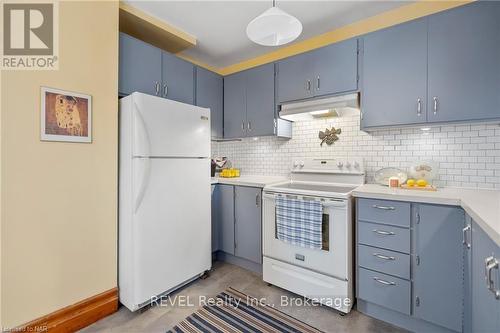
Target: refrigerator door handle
column 143, row 141
column 143, row 166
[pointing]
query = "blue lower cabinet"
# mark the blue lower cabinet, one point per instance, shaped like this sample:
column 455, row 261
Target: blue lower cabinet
column 390, row 262
column 412, row 277
column 385, row 290
column 237, row 222
column 248, row 229
column 384, row 236
column 438, row 265
column 485, row 305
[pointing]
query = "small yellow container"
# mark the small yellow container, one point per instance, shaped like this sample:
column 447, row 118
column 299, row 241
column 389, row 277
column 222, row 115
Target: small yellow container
column 230, row 173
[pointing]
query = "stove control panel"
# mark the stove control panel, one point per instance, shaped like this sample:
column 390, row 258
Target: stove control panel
column 350, row 166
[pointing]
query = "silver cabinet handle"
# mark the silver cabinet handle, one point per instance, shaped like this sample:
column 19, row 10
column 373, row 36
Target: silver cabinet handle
column 257, row 200
column 165, row 90
column 385, row 233
column 243, row 125
column 419, row 107
column 490, row 264
column 317, row 83
column 157, row 88
column 384, row 207
column 387, row 283
column 435, row 107
column 381, row 256
column 464, row 236
column 308, row 85
column 249, row 126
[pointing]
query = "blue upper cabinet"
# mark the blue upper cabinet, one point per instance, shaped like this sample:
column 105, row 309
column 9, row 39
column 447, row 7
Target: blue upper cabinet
column 295, row 78
column 335, row 68
column 209, row 94
column 439, row 265
column 177, row 79
column 249, row 103
column 235, row 105
column 441, row 68
column 147, row 69
column 464, row 63
column 329, row 70
column 485, row 306
column 261, row 104
column 394, row 66
column 140, row 67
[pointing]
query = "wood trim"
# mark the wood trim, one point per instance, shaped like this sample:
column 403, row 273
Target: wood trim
column 76, row 316
column 145, row 27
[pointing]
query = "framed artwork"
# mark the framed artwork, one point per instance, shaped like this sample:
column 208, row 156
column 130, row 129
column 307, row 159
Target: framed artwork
column 65, row 116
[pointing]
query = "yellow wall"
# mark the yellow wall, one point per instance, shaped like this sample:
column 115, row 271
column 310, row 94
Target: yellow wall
column 59, row 200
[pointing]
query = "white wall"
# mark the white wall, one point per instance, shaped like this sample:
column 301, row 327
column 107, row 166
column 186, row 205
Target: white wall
column 468, row 155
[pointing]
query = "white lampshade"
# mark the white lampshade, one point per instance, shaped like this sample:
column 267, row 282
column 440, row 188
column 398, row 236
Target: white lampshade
column 274, row 27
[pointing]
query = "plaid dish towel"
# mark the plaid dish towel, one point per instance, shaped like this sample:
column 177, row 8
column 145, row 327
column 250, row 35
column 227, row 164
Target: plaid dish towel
column 299, row 222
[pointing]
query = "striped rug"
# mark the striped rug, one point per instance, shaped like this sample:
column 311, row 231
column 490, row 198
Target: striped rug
column 237, row 312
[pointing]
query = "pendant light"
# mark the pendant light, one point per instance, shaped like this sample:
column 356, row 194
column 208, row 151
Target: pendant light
column 274, row 27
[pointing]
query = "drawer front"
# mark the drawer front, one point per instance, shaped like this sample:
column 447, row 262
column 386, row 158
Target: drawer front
column 384, row 290
column 384, row 236
column 385, row 261
column 384, row 211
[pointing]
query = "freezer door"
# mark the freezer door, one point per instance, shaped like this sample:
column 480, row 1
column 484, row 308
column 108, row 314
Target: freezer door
column 166, row 128
column 171, row 224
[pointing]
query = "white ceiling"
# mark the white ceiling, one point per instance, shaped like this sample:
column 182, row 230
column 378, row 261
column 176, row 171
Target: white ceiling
column 219, row 26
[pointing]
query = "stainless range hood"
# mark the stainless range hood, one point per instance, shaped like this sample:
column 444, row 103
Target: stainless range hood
column 336, row 106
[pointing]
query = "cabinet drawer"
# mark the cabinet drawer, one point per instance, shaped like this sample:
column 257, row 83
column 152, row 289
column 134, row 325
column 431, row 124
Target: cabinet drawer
column 384, row 236
column 384, row 290
column 385, row 261
column 384, row 211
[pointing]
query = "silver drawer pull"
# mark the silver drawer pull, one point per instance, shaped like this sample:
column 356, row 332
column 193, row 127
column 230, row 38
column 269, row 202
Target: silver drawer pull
column 384, row 207
column 385, row 233
column 387, row 283
column 381, row 256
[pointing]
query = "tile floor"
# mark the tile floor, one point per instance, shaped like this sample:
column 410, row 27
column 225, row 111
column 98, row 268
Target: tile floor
column 161, row 318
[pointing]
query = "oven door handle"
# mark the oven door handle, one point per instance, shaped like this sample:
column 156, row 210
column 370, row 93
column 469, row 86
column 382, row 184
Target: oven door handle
column 329, row 203
column 334, row 204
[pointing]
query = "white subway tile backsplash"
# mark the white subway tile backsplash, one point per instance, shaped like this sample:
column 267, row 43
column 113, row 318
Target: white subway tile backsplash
column 468, row 155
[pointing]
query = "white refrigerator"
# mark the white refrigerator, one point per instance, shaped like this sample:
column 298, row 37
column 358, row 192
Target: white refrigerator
column 164, row 225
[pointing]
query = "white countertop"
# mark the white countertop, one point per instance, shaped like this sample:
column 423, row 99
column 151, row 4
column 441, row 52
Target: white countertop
column 249, row 180
column 483, row 206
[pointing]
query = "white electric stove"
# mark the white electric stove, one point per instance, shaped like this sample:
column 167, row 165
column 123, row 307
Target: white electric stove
column 325, row 275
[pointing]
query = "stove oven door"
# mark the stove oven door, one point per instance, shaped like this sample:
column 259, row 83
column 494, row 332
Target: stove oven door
column 336, row 255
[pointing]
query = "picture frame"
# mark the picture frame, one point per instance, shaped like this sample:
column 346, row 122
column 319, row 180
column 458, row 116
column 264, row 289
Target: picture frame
column 65, row 116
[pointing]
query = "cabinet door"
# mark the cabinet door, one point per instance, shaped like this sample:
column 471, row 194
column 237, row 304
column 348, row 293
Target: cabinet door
column 248, row 233
column 464, row 63
column 295, row 79
column 140, row 66
column 336, row 68
column 485, row 307
column 225, row 215
column 260, row 101
column 216, row 204
column 438, row 265
column 178, row 79
column 235, row 105
column 394, row 90
column 209, row 94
